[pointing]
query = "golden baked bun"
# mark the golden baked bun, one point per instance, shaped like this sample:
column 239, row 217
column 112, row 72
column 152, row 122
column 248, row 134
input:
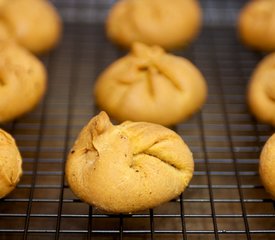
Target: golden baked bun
column 267, row 166
column 261, row 90
column 35, row 24
column 10, row 164
column 2, row 2
column 152, row 86
column 22, row 81
column 128, row 167
column 5, row 34
column 170, row 24
column 257, row 25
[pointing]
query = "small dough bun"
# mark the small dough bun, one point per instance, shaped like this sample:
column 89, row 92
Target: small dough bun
column 152, row 86
column 261, row 90
column 35, row 24
column 2, row 2
column 10, row 164
column 170, row 24
column 22, row 81
column 257, row 25
column 129, row 167
column 5, row 34
column 267, row 166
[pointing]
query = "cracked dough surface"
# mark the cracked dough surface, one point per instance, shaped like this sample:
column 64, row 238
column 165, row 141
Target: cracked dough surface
column 128, row 167
column 10, row 164
column 151, row 85
column 261, row 90
column 170, row 24
column 257, row 24
column 22, row 81
column 267, row 166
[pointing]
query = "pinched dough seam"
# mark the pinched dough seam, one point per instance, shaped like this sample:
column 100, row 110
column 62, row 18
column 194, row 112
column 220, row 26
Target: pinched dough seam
column 153, row 64
column 144, row 152
column 147, row 152
column 155, row 156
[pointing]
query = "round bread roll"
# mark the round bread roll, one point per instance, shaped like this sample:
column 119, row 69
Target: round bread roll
column 152, row 86
column 10, row 164
column 2, row 2
column 22, row 81
column 128, row 167
column 170, row 24
column 261, row 90
column 267, row 166
column 5, row 35
column 257, row 24
column 35, row 24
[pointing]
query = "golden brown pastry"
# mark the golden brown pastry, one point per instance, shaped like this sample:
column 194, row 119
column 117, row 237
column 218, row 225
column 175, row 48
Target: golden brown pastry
column 2, row 2
column 5, row 34
column 257, row 24
column 128, row 167
column 10, row 164
column 151, row 85
column 267, row 166
column 261, row 90
column 35, row 24
column 170, row 24
column 22, row 81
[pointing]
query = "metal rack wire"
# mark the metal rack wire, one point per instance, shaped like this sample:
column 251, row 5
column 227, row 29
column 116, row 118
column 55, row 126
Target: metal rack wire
column 225, row 199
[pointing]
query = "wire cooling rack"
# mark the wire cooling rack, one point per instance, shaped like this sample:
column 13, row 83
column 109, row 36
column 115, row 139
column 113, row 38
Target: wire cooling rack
column 225, row 199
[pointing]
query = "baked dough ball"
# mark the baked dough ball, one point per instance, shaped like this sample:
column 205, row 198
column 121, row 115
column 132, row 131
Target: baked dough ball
column 35, row 24
column 2, row 2
column 170, row 24
column 10, row 164
column 267, row 166
column 128, row 167
column 257, row 25
column 5, row 35
column 152, row 86
column 261, row 90
column 22, row 81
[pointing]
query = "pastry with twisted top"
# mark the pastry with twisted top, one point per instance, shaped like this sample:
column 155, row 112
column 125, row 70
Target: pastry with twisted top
column 128, row 167
column 151, row 85
column 170, row 24
column 261, row 90
column 22, row 81
column 10, row 164
column 257, row 24
column 267, row 166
